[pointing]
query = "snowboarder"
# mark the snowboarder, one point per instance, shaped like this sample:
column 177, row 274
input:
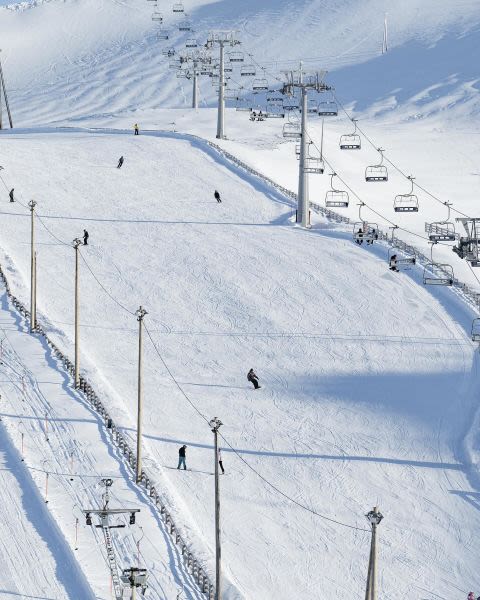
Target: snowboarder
column 85, row 237
column 11, row 195
column 135, row 129
column 182, row 457
column 217, row 196
column 220, row 461
column 120, row 162
column 393, row 263
column 253, row 378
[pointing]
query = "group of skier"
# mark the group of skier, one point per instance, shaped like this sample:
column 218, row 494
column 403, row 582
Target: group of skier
column 182, row 451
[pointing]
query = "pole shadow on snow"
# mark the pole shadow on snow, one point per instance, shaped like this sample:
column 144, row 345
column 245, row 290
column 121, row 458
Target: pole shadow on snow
column 473, row 498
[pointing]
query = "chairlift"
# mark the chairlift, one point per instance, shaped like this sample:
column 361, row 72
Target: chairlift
column 157, row 16
column 476, row 330
column 185, row 26
column 314, row 165
column 260, row 84
column 468, row 246
column 191, row 43
column 442, row 231
column 377, row 172
column 162, row 34
column 312, row 106
column 436, row 273
column 178, row 8
column 274, row 115
column 336, row 198
column 257, row 116
column 406, row 202
column 292, row 131
column 248, row 71
column 168, row 52
column 351, row 141
column 291, row 103
column 327, row 108
column 365, row 232
column 236, row 57
column 175, row 63
column 403, row 263
column 275, row 97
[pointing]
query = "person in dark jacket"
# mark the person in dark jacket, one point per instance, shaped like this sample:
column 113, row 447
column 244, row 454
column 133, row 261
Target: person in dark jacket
column 120, row 162
column 11, row 196
column 182, row 457
column 135, row 129
column 217, row 196
column 252, row 378
column 393, row 263
column 85, row 237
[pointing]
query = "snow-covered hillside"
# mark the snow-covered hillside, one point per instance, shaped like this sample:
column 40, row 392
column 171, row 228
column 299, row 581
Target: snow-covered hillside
column 369, row 378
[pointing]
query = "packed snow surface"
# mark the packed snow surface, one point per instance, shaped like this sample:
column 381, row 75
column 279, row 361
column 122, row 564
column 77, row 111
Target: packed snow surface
column 368, row 378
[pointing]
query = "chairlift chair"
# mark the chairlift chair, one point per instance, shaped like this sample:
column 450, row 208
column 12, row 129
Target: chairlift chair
column 157, row 16
column 162, row 34
column 312, row 106
column 292, row 131
column 336, row 198
column 191, row 43
column 351, row 141
column 327, row 108
column 476, row 330
column 365, row 232
column 260, row 84
column 377, row 172
column 314, row 166
column 274, row 115
column 441, row 232
column 406, row 202
column 168, row 52
column 236, row 57
column 404, row 262
column 291, row 103
column 248, row 71
column 178, row 8
column 185, row 26
column 275, row 97
column 438, row 274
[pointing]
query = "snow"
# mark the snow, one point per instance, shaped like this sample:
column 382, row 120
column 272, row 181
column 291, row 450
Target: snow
column 369, row 379
column 360, row 379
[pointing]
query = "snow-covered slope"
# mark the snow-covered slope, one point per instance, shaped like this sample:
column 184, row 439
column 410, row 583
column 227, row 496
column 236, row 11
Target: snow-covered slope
column 369, row 379
column 112, row 49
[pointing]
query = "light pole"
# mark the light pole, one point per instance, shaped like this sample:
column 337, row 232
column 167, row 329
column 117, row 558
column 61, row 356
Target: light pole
column 215, row 424
column 221, row 39
column 374, row 517
column 140, row 314
column 33, row 299
column 76, row 244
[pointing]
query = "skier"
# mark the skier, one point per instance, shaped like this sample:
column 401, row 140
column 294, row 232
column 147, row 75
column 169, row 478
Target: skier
column 253, row 378
column 120, row 162
column 85, row 237
column 11, row 196
column 135, row 129
column 373, row 236
column 253, row 116
column 359, row 237
column 182, row 457
column 220, row 461
column 217, row 196
column 393, row 263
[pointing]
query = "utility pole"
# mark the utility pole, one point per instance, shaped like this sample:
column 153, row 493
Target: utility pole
column 140, row 313
column 76, row 244
column 374, row 517
column 33, row 300
column 221, row 39
column 304, row 82
column 7, row 106
column 215, row 424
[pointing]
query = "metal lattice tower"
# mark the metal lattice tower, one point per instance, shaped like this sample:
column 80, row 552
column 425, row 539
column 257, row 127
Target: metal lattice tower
column 304, row 82
column 198, row 62
column 221, row 39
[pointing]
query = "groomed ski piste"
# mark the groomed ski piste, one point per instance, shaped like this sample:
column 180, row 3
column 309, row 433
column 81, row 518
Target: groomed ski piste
column 369, row 378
